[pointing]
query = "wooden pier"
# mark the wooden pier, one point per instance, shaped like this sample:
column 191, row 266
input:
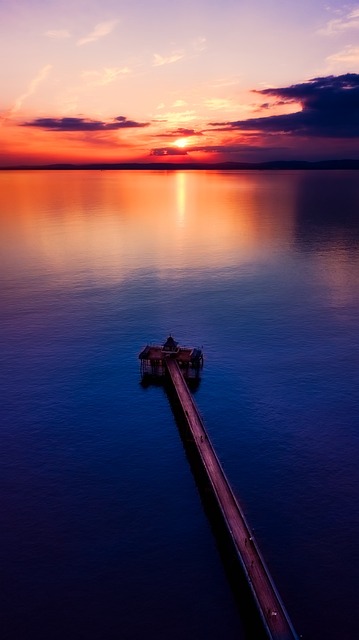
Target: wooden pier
column 271, row 610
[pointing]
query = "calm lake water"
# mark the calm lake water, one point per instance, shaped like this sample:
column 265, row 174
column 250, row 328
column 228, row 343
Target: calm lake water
column 103, row 534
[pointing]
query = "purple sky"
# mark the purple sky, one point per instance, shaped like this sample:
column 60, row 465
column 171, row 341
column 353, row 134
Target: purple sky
column 205, row 81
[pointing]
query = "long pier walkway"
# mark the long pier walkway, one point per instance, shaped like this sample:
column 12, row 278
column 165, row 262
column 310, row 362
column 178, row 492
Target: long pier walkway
column 269, row 604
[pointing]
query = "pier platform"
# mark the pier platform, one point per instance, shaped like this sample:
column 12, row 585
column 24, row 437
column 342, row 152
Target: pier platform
column 189, row 359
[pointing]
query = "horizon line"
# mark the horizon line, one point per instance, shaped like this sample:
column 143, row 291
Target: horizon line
column 343, row 163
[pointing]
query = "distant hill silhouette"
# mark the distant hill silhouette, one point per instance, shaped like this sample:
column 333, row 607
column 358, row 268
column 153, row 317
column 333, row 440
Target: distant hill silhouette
column 196, row 166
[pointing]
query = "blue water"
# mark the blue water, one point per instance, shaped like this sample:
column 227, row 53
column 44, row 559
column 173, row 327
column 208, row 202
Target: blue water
column 103, row 534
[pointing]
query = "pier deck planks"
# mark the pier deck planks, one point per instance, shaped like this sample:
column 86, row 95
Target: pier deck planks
column 271, row 609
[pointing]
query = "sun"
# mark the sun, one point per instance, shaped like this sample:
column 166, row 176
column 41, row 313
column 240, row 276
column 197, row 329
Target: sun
column 181, row 143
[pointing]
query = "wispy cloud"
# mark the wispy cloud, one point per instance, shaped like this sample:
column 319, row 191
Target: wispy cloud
column 349, row 55
column 105, row 76
column 229, row 106
column 342, row 24
column 101, row 30
column 177, row 117
column 33, row 85
column 179, row 103
column 218, row 104
column 159, row 60
column 84, row 124
column 58, row 34
column 221, row 83
column 200, row 44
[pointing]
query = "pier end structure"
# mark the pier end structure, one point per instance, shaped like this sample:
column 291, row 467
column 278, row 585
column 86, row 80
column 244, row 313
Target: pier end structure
column 153, row 357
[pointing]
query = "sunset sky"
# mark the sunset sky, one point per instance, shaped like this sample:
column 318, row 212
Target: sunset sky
column 147, row 80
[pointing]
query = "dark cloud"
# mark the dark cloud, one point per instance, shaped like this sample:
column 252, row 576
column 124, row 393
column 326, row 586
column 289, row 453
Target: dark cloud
column 185, row 133
column 276, row 103
column 83, row 124
column 219, row 148
column 181, row 132
column 239, row 149
column 168, row 151
column 330, row 108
